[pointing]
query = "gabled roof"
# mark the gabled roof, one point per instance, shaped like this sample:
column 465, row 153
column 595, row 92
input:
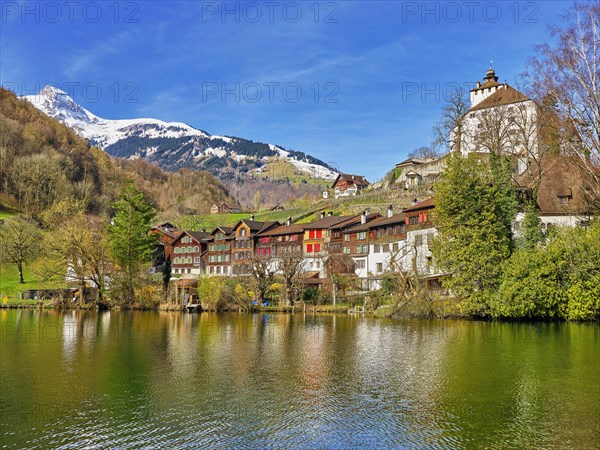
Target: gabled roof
column 379, row 222
column 326, row 222
column 425, row 204
column 413, row 162
column 503, row 96
column 282, row 230
column 225, row 230
column 354, row 220
column 256, row 227
column 198, row 236
column 358, row 180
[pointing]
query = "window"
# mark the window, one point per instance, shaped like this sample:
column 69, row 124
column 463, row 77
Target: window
column 385, row 248
column 361, row 236
column 395, row 247
column 346, row 237
column 309, row 248
column 243, row 232
column 413, row 220
column 346, row 250
column 319, row 234
column 176, row 250
column 429, row 240
column 311, row 234
column 418, row 240
column 196, row 249
column 220, row 236
column 317, row 248
column 365, row 249
column 196, row 260
column 376, row 248
column 379, row 267
column 360, row 264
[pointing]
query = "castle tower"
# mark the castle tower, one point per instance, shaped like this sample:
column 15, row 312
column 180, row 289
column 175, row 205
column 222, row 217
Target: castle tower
column 488, row 87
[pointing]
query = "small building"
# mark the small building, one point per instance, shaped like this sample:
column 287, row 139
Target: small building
column 223, row 208
column 348, row 185
column 413, row 172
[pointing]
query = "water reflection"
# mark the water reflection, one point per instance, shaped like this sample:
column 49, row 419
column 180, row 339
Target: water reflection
column 131, row 379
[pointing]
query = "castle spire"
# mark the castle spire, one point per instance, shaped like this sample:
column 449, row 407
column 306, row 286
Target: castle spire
column 490, row 74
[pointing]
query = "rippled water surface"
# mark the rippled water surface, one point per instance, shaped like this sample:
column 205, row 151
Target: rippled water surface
column 170, row 380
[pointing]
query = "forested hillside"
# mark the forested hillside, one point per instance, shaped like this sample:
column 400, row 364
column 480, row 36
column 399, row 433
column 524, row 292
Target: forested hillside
column 50, row 173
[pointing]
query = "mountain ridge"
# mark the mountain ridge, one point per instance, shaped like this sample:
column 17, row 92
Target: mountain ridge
column 174, row 145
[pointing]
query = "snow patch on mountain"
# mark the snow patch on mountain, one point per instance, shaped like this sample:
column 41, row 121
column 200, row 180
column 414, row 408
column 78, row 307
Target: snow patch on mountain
column 172, row 145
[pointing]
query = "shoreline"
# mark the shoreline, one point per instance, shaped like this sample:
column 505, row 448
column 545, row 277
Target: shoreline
column 379, row 313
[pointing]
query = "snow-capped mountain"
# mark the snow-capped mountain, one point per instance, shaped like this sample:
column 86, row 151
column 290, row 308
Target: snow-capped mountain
column 174, row 145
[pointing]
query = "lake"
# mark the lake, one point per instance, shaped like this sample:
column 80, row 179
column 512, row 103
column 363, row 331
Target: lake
column 171, row 380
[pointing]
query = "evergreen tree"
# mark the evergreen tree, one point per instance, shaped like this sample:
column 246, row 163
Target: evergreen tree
column 531, row 231
column 131, row 243
column 475, row 207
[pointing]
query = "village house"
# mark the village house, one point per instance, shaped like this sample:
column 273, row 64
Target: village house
column 347, row 185
column 218, row 255
column 244, row 234
column 281, row 242
column 374, row 245
column 166, row 233
column 188, row 249
column 336, row 231
column 315, row 242
column 419, row 238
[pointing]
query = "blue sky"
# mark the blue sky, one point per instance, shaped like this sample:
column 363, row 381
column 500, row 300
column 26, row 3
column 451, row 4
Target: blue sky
column 356, row 84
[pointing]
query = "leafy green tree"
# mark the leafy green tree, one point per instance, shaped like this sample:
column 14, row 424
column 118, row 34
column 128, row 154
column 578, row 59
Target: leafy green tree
column 560, row 279
column 131, row 243
column 530, row 229
column 19, row 242
column 475, row 207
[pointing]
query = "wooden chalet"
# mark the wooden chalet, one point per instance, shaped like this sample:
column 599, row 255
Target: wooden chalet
column 188, row 250
column 348, row 185
column 244, row 236
column 218, row 255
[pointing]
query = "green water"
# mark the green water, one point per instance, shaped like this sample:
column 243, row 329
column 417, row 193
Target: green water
column 170, row 380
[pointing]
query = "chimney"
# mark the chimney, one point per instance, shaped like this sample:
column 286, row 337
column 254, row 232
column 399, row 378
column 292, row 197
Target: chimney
column 390, row 211
column 330, row 213
column 414, row 202
column 288, row 222
column 203, row 230
column 252, row 217
column 477, row 84
column 363, row 218
column 322, row 214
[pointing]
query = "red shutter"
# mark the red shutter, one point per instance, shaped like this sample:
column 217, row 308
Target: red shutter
column 319, row 233
column 309, row 248
column 317, row 248
column 311, row 234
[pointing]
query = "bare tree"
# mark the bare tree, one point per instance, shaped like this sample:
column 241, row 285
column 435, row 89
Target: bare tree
column 569, row 72
column 291, row 266
column 425, row 153
column 449, row 130
column 262, row 276
column 20, row 242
